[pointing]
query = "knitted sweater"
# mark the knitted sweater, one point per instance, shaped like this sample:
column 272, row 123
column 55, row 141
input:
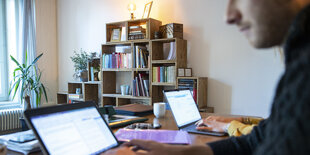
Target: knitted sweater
column 287, row 130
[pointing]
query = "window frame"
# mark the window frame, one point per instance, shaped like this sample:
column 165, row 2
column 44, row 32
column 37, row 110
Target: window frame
column 4, row 96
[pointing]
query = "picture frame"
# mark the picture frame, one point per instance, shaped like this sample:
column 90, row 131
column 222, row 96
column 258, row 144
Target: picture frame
column 188, row 72
column 181, row 72
column 116, row 35
column 147, row 10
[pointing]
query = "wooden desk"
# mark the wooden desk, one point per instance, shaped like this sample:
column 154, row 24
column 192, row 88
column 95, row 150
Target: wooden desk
column 167, row 123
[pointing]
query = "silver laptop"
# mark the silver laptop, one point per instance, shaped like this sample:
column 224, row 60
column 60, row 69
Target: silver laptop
column 77, row 129
column 185, row 111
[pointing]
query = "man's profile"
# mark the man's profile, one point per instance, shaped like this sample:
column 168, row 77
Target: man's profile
column 266, row 24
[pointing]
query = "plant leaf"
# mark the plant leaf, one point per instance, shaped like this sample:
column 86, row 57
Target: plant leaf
column 36, row 59
column 16, row 88
column 44, row 91
column 16, row 62
column 26, row 58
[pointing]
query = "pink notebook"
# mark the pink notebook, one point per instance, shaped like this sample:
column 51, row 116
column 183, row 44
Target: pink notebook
column 161, row 136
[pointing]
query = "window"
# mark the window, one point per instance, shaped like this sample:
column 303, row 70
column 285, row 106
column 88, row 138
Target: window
column 3, row 54
column 8, row 45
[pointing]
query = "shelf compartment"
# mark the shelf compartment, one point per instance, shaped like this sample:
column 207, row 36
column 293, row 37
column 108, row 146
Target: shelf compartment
column 199, row 84
column 125, row 96
column 141, row 69
column 115, row 25
column 163, row 62
column 163, row 84
column 175, row 53
column 62, row 98
column 95, row 64
column 150, row 26
column 72, row 86
column 117, row 69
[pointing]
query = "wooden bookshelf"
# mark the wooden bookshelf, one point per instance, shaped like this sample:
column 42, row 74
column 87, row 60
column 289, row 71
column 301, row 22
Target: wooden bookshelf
column 158, row 60
column 107, row 91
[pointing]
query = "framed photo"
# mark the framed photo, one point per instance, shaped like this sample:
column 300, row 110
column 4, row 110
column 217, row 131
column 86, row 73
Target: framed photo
column 147, row 10
column 188, row 72
column 116, row 35
column 181, row 72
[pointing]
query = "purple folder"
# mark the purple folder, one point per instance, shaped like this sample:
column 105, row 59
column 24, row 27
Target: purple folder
column 161, row 136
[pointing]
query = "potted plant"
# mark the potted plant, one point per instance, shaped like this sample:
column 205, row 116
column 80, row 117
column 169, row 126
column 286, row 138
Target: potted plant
column 27, row 80
column 80, row 61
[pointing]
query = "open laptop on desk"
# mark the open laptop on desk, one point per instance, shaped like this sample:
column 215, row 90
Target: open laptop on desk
column 185, row 111
column 71, row 129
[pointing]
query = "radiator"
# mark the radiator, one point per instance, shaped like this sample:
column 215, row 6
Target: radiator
column 9, row 119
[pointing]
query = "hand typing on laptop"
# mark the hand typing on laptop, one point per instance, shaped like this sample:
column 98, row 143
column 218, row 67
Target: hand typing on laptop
column 210, row 124
column 237, row 125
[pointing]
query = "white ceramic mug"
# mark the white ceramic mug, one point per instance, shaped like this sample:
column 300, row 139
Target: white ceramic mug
column 159, row 109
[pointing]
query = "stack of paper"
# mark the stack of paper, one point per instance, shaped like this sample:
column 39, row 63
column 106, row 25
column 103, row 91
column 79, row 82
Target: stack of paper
column 23, row 147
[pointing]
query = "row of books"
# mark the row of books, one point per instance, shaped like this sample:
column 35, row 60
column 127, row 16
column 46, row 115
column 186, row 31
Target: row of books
column 75, row 96
column 140, row 85
column 136, row 32
column 189, row 84
column 164, row 74
column 116, row 60
column 141, row 57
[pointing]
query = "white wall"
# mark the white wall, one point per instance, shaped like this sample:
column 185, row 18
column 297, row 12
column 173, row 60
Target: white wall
column 242, row 80
column 46, row 31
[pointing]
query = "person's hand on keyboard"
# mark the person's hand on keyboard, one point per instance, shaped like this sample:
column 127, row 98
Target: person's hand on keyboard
column 211, row 125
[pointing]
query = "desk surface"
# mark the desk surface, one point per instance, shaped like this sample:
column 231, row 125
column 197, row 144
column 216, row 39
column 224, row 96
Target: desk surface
column 167, row 123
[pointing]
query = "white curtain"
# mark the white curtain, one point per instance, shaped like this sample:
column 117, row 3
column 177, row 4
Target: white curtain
column 26, row 33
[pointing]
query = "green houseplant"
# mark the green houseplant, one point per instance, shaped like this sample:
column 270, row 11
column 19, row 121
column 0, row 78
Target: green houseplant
column 80, row 61
column 27, row 80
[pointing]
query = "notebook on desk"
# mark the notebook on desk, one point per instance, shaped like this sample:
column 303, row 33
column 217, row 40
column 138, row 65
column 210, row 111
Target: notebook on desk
column 185, row 111
column 71, row 129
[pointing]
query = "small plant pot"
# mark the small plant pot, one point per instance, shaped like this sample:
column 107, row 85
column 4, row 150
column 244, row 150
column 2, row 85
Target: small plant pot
column 83, row 76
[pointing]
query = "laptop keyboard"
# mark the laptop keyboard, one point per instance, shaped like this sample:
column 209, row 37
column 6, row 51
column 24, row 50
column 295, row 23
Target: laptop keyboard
column 191, row 128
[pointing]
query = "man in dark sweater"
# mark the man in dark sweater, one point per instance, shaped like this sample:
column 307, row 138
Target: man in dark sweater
column 266, row 23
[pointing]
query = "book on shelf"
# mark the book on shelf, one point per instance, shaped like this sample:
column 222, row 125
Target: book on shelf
column 75, row 96
column 116, row 60
column 141, row 57
column 146, row 86
column 92, row 76
column 141, row 85
column 164, row 74
column 169, row 51
column 123, row 35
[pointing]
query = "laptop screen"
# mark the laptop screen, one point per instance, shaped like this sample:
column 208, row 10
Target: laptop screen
column 78, row 131
column 183, row 106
